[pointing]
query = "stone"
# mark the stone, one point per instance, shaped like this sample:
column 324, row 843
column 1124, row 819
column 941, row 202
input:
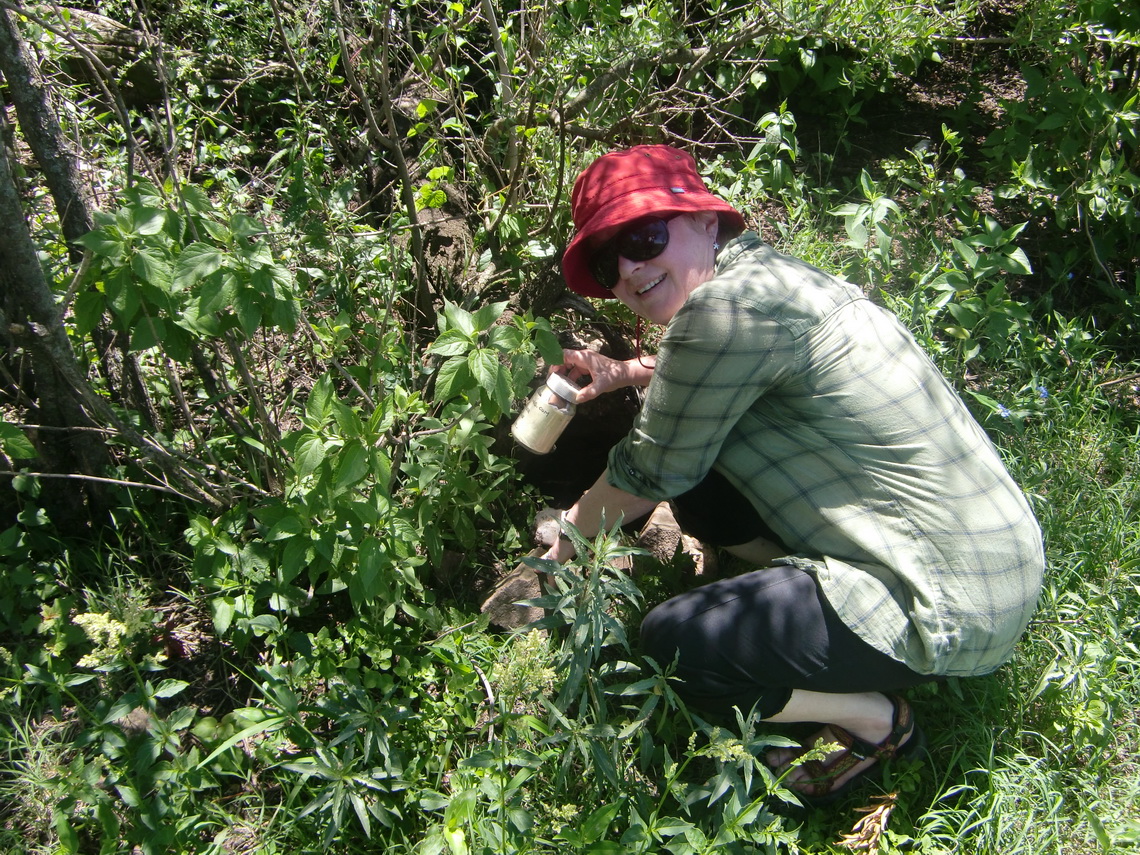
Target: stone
column 502, row 606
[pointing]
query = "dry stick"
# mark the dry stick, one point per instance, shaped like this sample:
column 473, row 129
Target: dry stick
column 1123, row 379
column 341, row 369
column 490, row 701
column 272, row 471
column 162, row 488
column 157, row 49
column 100, row 412
column 103, row 77
column 559, row 185
column 423, row 292
column 184, row 406
column 76, row 280
column 516, row 177
column 507, row 94
column 423, row 295
column 218, row 393
column 279, row 25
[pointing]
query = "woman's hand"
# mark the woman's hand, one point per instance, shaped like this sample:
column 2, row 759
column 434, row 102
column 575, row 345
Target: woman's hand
column 605, row 374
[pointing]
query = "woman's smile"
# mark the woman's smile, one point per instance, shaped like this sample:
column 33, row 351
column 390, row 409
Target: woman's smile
column 649, row 285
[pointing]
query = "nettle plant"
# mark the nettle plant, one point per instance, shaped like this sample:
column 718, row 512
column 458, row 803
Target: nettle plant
column 173, row 278
column 371, row 495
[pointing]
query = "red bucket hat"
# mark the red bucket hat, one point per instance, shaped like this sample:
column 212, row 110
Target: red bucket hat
column 623, row 185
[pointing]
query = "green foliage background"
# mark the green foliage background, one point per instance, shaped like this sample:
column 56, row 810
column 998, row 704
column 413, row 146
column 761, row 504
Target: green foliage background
column 327, row 241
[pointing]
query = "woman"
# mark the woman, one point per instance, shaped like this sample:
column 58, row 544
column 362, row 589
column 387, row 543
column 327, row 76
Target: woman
column 797, row 425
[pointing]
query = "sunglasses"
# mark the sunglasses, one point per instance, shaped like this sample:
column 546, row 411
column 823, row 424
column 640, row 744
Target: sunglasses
column 641, row 240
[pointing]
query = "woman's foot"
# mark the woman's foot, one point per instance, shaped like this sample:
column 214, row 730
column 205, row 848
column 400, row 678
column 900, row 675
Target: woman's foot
column 886, row 733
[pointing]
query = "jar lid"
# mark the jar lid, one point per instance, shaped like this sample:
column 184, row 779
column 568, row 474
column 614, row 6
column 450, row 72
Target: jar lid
column 561, row 386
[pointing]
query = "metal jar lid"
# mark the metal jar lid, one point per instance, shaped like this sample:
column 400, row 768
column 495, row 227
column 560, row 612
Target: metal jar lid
column 562, row 387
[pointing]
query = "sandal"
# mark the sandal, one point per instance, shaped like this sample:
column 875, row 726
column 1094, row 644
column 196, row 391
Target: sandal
column 822, row 775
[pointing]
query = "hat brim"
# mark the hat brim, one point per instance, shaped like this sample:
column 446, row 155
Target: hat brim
column 643, row 203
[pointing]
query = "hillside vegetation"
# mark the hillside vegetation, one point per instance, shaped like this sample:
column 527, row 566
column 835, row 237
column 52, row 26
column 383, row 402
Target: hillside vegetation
column 274, row 279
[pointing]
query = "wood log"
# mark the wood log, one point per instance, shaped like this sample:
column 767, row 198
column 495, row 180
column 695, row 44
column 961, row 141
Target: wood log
column 126, row 52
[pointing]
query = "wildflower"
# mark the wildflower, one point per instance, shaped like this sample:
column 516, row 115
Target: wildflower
column 1043, row 393
column 1003, row 411
column 105, row 633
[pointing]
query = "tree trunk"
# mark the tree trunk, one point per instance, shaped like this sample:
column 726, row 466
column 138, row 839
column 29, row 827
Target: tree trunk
column 45, row 137
column 29, row 320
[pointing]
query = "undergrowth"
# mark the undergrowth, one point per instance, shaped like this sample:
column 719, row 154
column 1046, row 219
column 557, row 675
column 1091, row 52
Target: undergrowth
column 319, row 286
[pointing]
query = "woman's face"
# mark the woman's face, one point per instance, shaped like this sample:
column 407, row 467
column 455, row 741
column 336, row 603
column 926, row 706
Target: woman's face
column 656, row 289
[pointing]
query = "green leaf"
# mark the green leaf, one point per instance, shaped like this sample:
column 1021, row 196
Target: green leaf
column 148, row 332
column 103, row 243
column 15, row 443
column 506, row 338
column 195, row 262
column 548, row 346
column 147, row 221
column 453, row 379
column 151, row 267
column 451, row 342
column 88, row 308
column 309, row 455
column 461, row 808
column 1017, row 262
column 248, row 308
column 223, row 609
column 459, row 319
column 246, row 226
column 597, row 823
column 319, row 406
column 352, row 464
column 285, row 528
column 484, row 366
column 170, row 688
column 368, row 582
column 969, row 256
column 487, row 315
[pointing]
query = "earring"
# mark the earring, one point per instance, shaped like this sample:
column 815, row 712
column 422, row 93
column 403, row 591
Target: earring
column 716, row 246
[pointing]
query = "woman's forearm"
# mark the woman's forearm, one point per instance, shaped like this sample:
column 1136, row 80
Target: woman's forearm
column 602, row 503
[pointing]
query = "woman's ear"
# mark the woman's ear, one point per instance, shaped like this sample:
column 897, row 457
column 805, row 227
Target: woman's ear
column 706, row 222
column 711, row 223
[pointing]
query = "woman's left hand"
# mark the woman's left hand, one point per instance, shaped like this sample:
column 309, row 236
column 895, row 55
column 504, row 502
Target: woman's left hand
column 605, row 374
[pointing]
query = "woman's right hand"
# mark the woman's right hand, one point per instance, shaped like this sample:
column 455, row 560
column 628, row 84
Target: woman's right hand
column 605, row 374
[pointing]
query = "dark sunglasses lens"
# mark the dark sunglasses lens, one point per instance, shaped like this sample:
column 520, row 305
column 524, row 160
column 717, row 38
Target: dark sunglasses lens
column 639, row 242
column 645, row 241
column 604, row 265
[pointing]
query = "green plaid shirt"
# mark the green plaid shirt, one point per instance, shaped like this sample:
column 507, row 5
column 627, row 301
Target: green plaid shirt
column 826, row 414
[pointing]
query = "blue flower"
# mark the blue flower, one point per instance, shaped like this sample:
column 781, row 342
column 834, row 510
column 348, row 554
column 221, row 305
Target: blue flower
column 1043, row 393
column 1003, row 411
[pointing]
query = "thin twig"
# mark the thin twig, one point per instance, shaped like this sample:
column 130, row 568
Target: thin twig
column 490, row 701
column 1123, row 379
column 76, row 280
column 68, row 476
column 103, row 78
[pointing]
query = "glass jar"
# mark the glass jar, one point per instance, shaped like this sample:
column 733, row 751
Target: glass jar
column 546, row 414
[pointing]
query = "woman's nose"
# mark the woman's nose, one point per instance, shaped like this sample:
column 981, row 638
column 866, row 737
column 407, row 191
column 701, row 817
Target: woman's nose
column 627, row 267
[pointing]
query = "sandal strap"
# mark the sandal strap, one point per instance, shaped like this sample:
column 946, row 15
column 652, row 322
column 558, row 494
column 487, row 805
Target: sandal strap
column 856, row 749
column 902, row 726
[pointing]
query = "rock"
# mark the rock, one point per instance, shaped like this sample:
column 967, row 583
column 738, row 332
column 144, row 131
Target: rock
column 660, row 535
column 547, row 527
column 502, row 606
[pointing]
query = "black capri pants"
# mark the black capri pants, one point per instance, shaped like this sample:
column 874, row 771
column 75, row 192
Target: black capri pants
column 749, row 641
